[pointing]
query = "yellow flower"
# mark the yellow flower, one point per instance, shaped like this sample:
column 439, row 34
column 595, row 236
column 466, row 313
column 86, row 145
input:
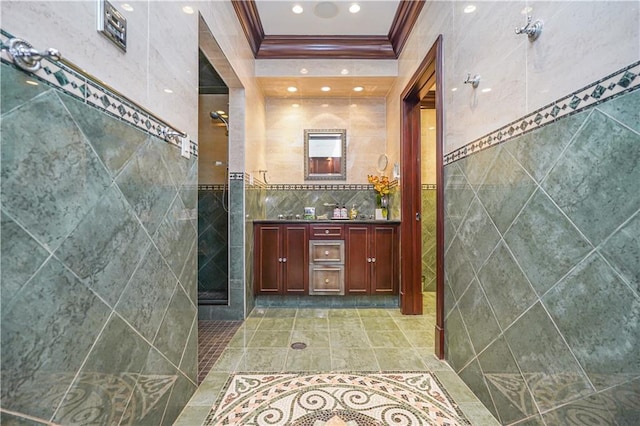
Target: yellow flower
column 380, row 184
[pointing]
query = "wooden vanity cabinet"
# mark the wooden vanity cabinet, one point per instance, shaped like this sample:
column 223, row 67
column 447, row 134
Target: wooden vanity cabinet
column 326, row 258
column 281, row 259
column 371, row 259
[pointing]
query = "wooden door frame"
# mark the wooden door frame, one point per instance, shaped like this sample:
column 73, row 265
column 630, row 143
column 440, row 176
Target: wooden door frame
column 428, row 73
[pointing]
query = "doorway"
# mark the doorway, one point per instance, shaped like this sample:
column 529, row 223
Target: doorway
column 422, row 91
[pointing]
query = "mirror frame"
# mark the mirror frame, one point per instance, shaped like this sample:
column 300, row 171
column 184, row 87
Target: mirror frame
column 308, row 134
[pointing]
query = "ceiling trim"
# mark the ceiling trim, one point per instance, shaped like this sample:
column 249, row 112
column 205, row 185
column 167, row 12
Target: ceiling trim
column 327, row 47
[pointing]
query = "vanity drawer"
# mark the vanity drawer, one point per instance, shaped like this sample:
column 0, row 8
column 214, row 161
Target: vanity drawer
column 326, row 251
column 327, row 231
column 326, row 280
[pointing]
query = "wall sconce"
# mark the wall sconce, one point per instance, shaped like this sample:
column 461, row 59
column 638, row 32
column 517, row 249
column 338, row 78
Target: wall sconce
column 532, row 31
column 474, row 82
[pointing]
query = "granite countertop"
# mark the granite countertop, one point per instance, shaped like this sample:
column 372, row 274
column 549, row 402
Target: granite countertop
column 326, row 221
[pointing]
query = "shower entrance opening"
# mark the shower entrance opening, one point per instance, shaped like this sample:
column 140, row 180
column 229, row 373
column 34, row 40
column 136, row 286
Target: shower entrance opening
column 213, row 186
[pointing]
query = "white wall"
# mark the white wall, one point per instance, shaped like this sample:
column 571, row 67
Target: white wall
column 235, row 64
column 363, row 118
column 580, row 43
column 157, row 56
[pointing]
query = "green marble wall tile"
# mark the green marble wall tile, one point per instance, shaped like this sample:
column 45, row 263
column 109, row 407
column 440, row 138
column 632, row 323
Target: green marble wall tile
column 622, row 402
column 509, row 391
column 114, row 141
column 15, row 90
column 21, row 258
column 594, row 183
column 545, row 361
column 47, row 331
column 607, row 348
column 622, row 251
column 60, row 194
column 505, row 189
column 478, row 316
column 142, row 308
column 458, row 347
column 538, row 151
column 106, row 381
column 189, row 362
column 48, row 187
column 459, row 195
column 473, row 376
column 476, row 168
column 545, row 243
column 458, row 269
column 147, row 186
column 624, row 109
column 508, row 302
column 179, row 316
column 106, row 246
column 590, row 410
column 175, row 236
column 478, row 234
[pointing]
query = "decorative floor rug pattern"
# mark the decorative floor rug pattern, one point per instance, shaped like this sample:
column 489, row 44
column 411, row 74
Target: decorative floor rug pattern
column 334, row 399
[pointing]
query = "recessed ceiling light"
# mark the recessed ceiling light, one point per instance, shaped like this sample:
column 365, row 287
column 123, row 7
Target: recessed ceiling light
column 188, row 10
column 127, row 7
column 168, row 91
column 344, row 71
column 470, row 8
column 325, row 88
column 304, row 71
column 527, row 10
column 292, row 89
column 353, row 105
column 326, row 9
column 295, row 105
column 324, row 105
column 431, row 128
column 31, row 82
column 358, row 89
column 297, row 9
column 487, row 89
column 354, row 8
column 453, row 89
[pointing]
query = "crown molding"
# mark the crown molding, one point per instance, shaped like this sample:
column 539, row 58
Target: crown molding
column 327, row 47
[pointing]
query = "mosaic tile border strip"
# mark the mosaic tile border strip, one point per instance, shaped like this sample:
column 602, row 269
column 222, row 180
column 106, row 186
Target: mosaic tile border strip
column 428, row 186
column 325, row 186
column 64, row 76
column 218, row 187
column 620, row 82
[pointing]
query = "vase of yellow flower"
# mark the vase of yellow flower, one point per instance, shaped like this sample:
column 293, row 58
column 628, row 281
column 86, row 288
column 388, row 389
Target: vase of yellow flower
column 382, row 189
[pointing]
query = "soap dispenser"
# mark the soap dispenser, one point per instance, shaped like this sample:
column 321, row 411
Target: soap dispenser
column 353, row 213
column 343, row 212
column 336, row 212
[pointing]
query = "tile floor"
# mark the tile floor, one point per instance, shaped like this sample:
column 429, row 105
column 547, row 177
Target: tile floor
column 213, row 338
column 353, row 339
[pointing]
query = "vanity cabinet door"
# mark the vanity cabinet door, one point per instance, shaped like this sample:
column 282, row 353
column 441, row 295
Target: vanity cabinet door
column 358, row 263
column 268, row 259
column 384, row 252
column 295, row 259
column 281, row 259
column 371, row 260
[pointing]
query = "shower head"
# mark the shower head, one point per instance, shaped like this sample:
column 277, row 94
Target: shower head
column 217, row 116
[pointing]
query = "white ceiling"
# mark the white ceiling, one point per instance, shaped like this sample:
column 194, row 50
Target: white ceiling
column 375, row 17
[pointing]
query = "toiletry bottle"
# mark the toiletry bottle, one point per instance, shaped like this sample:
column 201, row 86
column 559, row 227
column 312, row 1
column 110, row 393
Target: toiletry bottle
column 353, row 213
column 343, row 212
column 336, row 212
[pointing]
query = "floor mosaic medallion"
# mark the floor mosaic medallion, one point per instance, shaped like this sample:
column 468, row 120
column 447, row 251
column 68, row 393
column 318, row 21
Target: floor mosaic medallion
column 334, row 399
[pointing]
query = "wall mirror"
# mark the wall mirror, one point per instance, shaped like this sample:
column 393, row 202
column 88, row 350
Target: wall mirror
column 325, row 154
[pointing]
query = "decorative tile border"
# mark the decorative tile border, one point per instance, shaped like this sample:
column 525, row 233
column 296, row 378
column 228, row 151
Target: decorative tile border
column 213, row 187
column 428, row 186
column 67, row 78
column 620, row 82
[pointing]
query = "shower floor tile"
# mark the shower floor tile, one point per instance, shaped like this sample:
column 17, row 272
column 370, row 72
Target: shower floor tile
column 213, row 337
